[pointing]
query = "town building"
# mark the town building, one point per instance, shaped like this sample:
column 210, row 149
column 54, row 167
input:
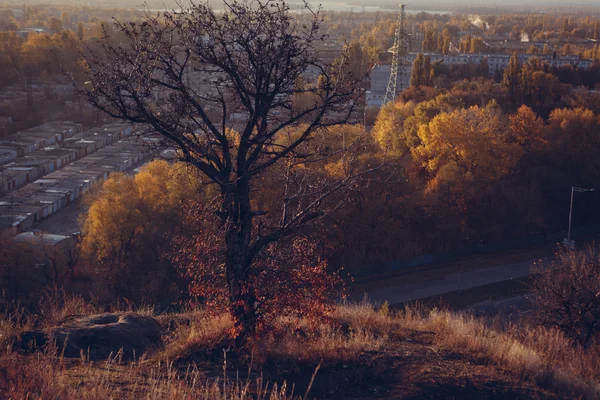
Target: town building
column 380, row 74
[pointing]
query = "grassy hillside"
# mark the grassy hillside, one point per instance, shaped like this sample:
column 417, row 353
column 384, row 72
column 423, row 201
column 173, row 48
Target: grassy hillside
column 359, row 352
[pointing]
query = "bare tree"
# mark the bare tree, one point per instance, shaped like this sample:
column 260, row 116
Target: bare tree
column 566, row 295
column 187, row 75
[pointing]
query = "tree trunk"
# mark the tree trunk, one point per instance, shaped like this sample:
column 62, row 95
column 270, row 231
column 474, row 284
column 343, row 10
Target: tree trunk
column 238, row 262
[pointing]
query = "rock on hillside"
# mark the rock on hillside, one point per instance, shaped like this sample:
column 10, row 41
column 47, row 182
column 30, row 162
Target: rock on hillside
column 100, row 335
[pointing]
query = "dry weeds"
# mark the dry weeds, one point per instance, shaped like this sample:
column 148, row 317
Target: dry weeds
column 533, row 354
column 48, row 377
column 542, row 355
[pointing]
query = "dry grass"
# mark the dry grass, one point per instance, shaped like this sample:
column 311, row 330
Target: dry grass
column 352, row 329
column 47, row 377
column 542, row 355
column 352, row 332
column 193, row 332
column 356, row 329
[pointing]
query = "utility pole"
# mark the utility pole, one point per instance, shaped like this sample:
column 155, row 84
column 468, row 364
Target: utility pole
column 398, row 59
column 567, row 241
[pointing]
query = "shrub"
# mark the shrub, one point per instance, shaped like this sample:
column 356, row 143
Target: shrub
column 566, row 295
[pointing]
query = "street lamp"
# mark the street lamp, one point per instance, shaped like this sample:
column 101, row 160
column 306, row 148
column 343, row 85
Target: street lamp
column 568, row 242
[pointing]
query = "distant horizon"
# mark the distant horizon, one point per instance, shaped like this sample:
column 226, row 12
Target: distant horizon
column 387, row 4
column 354, row 5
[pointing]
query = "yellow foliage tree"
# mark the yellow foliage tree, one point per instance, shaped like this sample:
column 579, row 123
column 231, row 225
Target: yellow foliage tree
column 527, row 129
column 388, row 129
column 128, row 225
column 574, row 138
column 466, row 148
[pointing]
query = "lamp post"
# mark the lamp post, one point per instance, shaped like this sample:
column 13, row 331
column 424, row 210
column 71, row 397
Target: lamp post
column 568, row 242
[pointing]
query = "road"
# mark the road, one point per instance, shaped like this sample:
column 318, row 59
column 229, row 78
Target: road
column 402, row 292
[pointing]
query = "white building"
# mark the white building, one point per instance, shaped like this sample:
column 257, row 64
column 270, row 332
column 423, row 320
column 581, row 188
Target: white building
column 380, row 74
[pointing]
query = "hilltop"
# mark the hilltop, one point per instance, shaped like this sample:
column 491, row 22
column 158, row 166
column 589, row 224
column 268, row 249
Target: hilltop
column 358, row 353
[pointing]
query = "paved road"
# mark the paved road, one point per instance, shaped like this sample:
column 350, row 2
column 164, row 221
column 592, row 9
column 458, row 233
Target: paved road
column 464, row 280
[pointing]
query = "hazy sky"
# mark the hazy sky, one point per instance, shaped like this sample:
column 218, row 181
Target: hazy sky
column 587, row 6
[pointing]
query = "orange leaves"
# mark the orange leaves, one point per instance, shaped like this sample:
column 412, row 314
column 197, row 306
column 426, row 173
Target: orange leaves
column 389, row 127
column 129, row 223
column 466, row 145
column 288, row 278
column 126, row 207
column 527, row 129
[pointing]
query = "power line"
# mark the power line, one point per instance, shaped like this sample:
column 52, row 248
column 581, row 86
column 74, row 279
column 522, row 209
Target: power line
column 398, row 59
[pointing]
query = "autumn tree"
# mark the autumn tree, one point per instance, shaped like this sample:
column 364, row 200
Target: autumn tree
column 483, row 68
column 128, row 227
column 546, row 50
column 528, row 130
column 429, row 42
column 423, row 113
column 55, row 25
column 421, row 71
column 389, row 127
column 467, row 148
column 573, row 136
column 428, row 72
column 80, row 31
column 542, row 91
column 357, row 60
column 566, row 25
column 512, row 80
column 18, row 279
column 248, row 59
column 464, row 46
column 478, row 45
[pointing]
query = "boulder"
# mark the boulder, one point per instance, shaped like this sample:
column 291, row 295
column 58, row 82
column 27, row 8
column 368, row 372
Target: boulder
column 99, row 336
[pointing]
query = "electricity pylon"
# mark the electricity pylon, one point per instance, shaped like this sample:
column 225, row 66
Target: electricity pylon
column 398, row 61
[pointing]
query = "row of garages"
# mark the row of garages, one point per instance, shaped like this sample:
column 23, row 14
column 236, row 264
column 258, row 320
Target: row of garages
column 60, row 147
column 26, row 142
column 22, row 208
